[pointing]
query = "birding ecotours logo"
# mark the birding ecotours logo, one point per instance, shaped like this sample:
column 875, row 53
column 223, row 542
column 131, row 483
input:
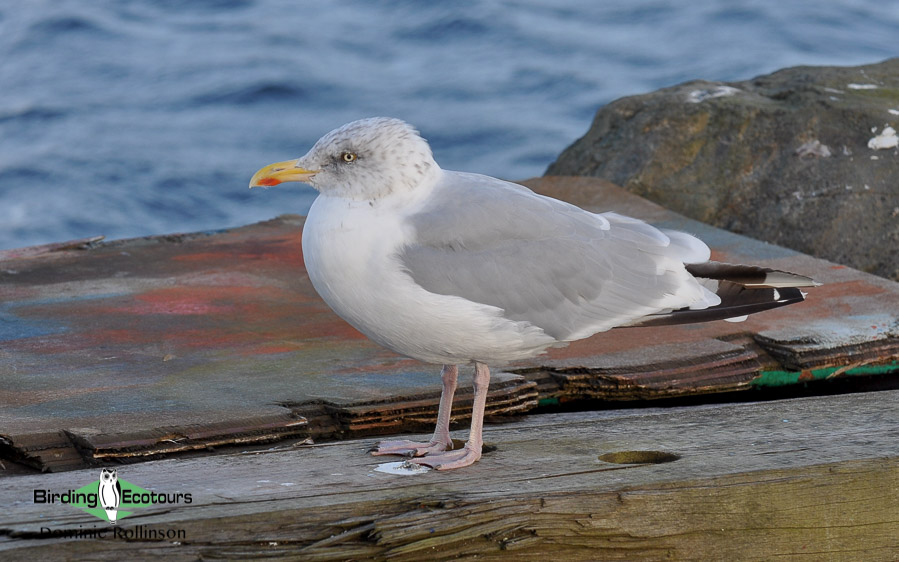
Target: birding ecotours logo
column 110, row 498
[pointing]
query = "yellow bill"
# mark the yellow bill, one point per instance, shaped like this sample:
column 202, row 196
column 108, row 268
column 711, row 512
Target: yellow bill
column 281, row 172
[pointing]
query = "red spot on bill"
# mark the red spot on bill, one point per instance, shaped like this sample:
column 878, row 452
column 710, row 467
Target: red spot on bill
column 268, row 182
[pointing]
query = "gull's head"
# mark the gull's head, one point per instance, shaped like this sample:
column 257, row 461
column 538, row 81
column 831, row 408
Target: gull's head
column 365, row 159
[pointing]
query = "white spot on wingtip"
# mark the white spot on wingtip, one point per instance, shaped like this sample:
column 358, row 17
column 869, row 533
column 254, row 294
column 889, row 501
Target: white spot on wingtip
column 402, row 468
column 737, row 318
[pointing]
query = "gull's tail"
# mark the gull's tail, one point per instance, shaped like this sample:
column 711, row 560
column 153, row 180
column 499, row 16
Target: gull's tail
column 743, row 289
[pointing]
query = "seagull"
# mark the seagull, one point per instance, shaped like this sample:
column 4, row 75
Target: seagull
column 454, row 268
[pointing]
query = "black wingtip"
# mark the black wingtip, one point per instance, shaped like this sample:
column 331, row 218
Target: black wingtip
column 758, row 300
column 743, row 290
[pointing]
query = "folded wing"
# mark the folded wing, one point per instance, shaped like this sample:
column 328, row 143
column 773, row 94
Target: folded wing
column 568, row 271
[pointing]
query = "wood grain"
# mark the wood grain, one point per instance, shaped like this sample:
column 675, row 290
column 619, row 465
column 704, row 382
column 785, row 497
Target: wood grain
column 803, row 479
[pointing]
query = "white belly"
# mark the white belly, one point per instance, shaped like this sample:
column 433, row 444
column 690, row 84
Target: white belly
column 350, row 250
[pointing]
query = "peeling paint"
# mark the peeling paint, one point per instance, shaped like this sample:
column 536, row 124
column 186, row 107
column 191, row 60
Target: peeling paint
column 775, row 378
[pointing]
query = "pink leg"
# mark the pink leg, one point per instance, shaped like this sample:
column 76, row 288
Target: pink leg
column 441, row 440
column 471, row 452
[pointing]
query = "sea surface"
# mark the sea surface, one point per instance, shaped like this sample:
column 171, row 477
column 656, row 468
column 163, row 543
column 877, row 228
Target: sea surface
column 126, row 118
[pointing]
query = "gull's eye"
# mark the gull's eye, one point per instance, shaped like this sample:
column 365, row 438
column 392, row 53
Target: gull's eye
column 348, row 157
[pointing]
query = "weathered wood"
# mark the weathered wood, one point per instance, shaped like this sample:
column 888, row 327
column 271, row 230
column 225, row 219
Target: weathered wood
column 656, row 371
column 808, row 479
column 838, row 342
column 511, row 395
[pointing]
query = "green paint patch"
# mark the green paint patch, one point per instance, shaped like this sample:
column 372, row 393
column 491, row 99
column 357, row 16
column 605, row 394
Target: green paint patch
column 787, row 378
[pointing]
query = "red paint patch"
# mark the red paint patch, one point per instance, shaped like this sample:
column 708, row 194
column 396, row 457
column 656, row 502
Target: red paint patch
column 174, row 302
column 191, row 301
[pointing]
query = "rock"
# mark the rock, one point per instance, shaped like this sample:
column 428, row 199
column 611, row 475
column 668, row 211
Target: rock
column 805, row 157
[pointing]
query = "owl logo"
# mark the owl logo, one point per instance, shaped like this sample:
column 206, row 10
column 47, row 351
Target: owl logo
column 110, row 493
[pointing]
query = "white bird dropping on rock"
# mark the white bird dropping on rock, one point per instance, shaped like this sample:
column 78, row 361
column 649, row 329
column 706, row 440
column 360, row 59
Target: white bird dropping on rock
column 886, row 139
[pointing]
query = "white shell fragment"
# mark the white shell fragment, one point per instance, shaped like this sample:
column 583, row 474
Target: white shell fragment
column 402, row 468
column 886, row 139
column 862, row 86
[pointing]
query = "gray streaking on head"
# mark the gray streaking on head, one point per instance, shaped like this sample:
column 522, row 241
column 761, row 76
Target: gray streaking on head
column 455, row 268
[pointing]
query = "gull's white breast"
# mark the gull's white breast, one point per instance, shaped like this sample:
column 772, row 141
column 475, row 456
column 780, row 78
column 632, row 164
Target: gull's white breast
column 350, row 250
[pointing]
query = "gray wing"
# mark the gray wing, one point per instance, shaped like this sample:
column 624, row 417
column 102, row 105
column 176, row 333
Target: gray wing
column 568, row 271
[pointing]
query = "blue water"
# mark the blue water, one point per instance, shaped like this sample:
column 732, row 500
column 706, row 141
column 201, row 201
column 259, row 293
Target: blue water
column 127, row 118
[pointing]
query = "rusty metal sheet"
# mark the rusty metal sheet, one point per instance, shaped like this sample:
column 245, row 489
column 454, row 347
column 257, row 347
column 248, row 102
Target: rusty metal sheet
column 162, row 344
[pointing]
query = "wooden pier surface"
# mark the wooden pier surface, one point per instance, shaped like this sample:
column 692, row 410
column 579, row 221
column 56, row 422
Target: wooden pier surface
column 800, row 479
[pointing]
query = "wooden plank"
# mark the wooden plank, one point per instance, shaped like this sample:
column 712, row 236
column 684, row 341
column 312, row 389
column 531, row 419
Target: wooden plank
column 511, row 395
column 47, row 450
column 106, row 446
column 858, row 340
column 809, row 479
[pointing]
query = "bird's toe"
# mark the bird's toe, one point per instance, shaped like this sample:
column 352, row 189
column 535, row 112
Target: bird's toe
column 448, row 460
column 406, row 448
